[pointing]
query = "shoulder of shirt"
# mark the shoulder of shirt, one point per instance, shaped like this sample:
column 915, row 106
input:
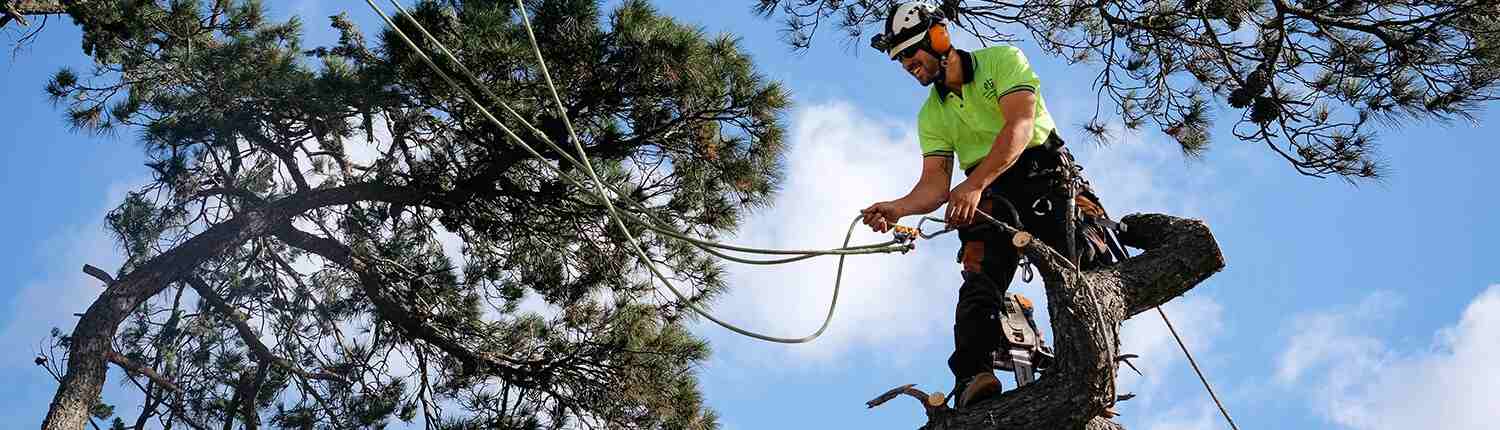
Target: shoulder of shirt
column 997, row 51
column 930, row 104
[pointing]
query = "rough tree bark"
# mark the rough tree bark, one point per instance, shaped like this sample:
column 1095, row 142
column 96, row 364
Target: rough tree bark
column 17, row 10
column 1087, row 309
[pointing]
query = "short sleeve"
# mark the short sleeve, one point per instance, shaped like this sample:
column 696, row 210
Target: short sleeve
column 1013, row 73
column 933, row 142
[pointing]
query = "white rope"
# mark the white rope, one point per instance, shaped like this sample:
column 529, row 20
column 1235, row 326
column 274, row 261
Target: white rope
column 603, row 189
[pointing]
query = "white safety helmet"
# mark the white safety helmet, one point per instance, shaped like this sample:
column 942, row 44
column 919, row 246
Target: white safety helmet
column 910, row 24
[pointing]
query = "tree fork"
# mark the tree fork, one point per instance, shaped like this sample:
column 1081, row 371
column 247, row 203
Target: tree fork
column 1087, row 309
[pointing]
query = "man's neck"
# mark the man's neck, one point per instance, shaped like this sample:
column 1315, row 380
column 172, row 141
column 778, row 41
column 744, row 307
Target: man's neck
column 953, row 73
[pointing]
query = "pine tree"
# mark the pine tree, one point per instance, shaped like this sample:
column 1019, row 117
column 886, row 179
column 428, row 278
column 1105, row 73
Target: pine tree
column 285, row 265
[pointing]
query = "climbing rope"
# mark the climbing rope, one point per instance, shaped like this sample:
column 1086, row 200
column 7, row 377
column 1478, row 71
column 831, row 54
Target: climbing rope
column 1193, row 362
column 1183, row 345
column 603, row 189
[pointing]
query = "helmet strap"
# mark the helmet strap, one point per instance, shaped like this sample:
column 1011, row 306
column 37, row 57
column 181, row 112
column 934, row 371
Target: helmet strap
column 942, row 74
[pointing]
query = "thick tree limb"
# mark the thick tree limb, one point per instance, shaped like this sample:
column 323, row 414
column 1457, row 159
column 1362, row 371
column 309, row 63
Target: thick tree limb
column 1180, row 253
column 1087, row 309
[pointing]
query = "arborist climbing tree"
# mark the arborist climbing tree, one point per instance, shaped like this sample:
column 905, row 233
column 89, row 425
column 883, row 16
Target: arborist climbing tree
column 986, row 113
column 279, row 204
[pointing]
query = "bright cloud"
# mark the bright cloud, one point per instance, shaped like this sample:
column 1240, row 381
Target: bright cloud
column 1364, row 383
column 840, row 161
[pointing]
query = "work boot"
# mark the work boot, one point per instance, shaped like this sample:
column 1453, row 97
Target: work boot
column 979, row 387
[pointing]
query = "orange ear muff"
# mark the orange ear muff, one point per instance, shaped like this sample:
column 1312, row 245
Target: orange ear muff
column 937, row 36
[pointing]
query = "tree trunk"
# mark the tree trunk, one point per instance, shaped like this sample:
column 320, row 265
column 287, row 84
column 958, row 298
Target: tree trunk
column 1087, row 309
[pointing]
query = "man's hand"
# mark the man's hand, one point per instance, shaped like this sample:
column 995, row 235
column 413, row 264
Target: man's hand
column 962, row 202
column 881, row 216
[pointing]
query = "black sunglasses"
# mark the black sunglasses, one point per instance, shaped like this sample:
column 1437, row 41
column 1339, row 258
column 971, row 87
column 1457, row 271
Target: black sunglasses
column 908, row 52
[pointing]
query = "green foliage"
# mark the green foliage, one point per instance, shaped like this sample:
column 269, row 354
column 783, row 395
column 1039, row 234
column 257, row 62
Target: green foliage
column 102, row 410
column 240, row 122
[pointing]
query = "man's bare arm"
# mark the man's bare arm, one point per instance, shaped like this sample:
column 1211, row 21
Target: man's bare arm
column 1019, row 110
column 931, row 190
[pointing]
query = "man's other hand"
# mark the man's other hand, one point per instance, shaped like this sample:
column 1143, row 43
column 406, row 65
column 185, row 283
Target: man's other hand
column 961, row 204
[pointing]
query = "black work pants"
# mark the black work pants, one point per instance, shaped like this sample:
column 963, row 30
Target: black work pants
column 1036, row 190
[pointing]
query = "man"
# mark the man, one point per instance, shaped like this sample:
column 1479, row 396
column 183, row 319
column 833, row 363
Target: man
column 985, row 110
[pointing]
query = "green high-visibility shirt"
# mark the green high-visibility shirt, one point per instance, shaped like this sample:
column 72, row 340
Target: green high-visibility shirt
column 966, row 126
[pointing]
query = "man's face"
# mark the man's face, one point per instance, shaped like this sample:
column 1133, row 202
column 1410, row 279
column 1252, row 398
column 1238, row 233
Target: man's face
column 921, row 65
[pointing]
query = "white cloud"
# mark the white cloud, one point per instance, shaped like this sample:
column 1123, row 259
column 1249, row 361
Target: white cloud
column 1364, row 383
column 1327, row 338
column 840, row 161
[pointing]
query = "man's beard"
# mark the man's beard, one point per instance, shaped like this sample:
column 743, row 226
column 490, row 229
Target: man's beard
column 931, row 78
column 937, row 78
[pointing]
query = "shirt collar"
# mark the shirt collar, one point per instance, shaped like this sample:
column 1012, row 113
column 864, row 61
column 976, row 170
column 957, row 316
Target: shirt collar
column 965, row 63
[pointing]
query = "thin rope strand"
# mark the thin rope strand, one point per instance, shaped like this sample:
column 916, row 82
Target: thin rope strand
column 1193, row 362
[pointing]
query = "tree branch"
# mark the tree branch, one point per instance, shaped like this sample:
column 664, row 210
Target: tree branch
column 1180, row 253
column 248, row 334
column 125, row 363
column 81, row 385
column 17, row 10
column 391, row 310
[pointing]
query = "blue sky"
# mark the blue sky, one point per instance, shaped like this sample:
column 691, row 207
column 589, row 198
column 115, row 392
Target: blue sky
column 1342, row 306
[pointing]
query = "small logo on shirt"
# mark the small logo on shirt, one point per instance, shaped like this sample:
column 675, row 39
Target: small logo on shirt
column 989, row 89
